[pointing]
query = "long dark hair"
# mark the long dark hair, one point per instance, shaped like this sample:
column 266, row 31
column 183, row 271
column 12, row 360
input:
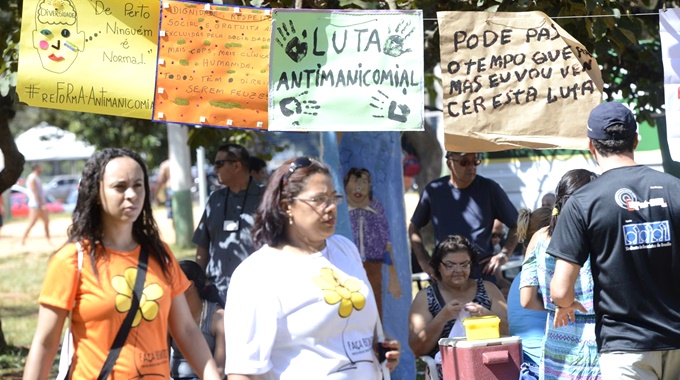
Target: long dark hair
column 195, row 273
column 87, row 215
column 452, row 243
column 286, row 182
column 570, row 182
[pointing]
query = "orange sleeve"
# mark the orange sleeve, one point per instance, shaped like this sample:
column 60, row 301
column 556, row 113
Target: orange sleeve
column 61, row 279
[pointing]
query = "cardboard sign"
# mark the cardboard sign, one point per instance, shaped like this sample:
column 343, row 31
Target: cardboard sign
column 95, row 56
column 346, row 71
column 669, row 25
column 514, row 80
column 212, row 66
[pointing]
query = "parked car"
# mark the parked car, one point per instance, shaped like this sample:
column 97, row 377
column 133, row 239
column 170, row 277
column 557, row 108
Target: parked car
column 19, row 202
column 61, row 186
column 70, row 201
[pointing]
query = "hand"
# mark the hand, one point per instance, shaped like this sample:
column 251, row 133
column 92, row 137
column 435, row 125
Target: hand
column 565, row 315
column 393, row 354
column 475, row 309
column 452, row 309
column 495, row 263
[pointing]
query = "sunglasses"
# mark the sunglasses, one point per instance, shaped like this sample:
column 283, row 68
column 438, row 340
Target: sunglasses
column 300, row 162
column 466, row 163
column 499, row 236
column 219, row 163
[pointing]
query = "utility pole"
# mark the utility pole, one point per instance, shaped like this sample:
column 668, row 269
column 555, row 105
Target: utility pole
column 180, row 183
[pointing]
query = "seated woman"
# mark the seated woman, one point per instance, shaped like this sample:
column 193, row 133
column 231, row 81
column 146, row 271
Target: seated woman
column 207, row 308
column 431, row 319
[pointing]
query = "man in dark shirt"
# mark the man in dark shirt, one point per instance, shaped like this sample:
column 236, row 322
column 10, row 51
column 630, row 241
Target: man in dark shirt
column 223, row 235
column 465, row 204
column 625, row 223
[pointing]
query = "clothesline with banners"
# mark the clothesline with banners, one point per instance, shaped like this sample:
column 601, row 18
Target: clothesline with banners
column 278, row 69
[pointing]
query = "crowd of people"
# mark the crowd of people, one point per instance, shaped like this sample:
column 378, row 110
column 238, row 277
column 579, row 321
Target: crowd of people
column 275, row 293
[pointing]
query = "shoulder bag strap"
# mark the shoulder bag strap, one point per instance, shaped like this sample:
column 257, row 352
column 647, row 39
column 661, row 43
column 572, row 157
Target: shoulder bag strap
column 119, row 341
column 438, row 295
column 66, row 354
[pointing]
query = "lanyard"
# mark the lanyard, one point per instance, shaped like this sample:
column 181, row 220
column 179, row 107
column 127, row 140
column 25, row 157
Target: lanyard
column 243, row 205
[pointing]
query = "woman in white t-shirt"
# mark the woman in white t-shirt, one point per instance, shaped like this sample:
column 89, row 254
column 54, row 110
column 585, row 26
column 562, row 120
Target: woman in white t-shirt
column 301, row 307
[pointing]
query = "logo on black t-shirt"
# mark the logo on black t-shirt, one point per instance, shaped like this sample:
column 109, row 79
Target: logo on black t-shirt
column 625, row 198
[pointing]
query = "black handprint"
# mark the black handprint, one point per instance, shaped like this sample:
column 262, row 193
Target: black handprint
column 292, row 106
column 391, row 114
column 394, row 46
column 295, row 48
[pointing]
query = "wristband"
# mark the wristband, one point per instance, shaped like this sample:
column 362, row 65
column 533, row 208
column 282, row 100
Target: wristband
column 503, row 255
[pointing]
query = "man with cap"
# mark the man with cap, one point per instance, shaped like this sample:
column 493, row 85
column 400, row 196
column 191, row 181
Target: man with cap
column 465, row 204
column 626, row 223
column 223, row 239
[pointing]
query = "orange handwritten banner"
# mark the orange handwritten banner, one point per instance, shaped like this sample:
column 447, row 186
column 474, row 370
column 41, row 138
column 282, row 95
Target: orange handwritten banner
column 212, row 65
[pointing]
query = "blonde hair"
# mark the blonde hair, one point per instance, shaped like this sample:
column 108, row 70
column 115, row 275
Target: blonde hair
column 528, row 222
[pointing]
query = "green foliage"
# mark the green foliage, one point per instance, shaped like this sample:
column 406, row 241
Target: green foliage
column 102, row 131
column 9, row 46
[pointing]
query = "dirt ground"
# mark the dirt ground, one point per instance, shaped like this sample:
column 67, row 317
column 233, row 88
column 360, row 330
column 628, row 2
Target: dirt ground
column 12, row 231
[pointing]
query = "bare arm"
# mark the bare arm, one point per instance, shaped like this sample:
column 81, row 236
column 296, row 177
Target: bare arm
column 45, row 342
column 424, row 329
column 528, row 295
column 562, row 292
column 510, row 242
column 529, row 298
column 190, row 340
column 218, row 331
column 562, row 284
column 202, row 256
column 508, row 248
column 418, row 248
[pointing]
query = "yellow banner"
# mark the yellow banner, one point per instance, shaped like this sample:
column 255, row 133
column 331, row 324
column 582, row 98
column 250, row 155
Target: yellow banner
column 95, row 56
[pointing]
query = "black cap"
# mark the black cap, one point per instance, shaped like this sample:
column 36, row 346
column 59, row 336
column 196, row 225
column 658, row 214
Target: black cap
column 608, row 114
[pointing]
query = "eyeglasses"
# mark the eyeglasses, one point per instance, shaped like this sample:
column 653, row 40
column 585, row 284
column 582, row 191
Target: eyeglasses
column 322, row 201
column 466, row 163
column 219, row 163
column 498, row 236
column 450, row 267
column 300, row 162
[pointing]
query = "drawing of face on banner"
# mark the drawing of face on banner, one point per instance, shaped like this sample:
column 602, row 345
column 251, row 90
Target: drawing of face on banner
column 346, row 71
column 95, row 56
column 56, row 37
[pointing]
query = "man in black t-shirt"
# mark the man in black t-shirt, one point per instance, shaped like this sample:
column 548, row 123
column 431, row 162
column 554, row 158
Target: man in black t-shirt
column 625, row 223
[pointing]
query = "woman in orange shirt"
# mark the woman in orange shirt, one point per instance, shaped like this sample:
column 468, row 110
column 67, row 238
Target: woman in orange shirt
column 113, row 223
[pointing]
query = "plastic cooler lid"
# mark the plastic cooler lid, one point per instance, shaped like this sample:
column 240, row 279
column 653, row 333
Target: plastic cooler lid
column 462, row 342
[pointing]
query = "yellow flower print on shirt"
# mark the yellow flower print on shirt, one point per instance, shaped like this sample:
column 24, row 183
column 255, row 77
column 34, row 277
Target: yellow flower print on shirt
column 346, row 293
column 148, row 307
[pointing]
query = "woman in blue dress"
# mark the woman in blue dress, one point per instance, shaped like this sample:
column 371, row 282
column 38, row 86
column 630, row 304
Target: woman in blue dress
column 570, row 352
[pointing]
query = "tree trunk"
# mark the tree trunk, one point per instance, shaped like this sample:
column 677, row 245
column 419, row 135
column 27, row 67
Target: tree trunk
column 14, row 163
column 181, row 180
column 14, row 160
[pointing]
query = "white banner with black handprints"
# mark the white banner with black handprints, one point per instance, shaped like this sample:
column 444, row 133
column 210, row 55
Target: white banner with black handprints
column 346, row 71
